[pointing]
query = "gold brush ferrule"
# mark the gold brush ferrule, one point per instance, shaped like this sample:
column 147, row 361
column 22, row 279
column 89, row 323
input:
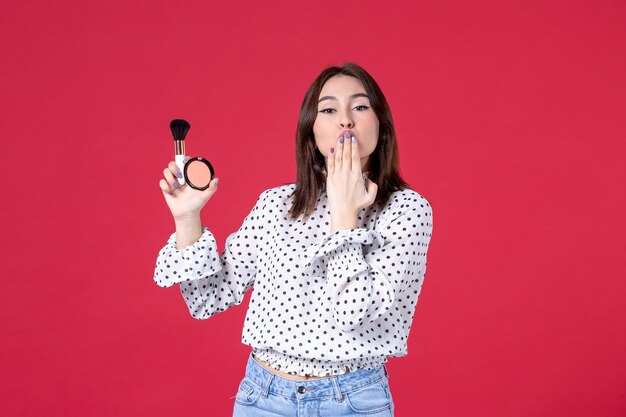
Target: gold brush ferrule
column 179, row 147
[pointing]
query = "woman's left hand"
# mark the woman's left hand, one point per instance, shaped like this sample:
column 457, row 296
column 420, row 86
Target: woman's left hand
column 345, row 187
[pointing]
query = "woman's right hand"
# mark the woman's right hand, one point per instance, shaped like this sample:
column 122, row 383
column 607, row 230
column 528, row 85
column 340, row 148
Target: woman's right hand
column 183, row 200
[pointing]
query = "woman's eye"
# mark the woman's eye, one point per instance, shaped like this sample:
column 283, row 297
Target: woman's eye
column 331, row 110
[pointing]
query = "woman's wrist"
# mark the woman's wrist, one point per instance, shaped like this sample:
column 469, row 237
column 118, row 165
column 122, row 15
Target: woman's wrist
column 343, row 222
column 188, row 230
column 187, row 218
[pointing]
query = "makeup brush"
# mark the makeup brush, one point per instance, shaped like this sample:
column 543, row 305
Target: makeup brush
column 179, row 128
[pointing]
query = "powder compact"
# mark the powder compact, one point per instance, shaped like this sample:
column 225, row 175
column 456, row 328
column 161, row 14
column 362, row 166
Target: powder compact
column 198, row 173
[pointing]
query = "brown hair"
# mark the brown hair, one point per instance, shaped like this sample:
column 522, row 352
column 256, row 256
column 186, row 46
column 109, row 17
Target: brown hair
column 383, row 163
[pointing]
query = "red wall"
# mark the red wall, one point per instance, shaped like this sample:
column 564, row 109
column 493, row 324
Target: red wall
column 511, row 121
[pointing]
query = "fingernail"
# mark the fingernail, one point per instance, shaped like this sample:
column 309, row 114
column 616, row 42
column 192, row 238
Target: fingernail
column 179, row 174
column 353, row 139
column 217, row 180
column 347, row 135
column 170, row 193
column 175, row 185
column 341, row 139
column 332, row 150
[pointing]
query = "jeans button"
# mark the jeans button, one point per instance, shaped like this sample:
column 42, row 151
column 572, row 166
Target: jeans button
column 301, row 389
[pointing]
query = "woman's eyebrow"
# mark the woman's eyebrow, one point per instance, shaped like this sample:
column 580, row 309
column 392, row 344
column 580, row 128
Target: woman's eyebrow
column 353, row 96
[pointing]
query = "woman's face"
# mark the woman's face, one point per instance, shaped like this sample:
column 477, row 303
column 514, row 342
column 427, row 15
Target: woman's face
column 344, row 105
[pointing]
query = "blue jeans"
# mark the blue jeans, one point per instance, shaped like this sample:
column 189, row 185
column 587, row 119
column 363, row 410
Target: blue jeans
column 359, row 393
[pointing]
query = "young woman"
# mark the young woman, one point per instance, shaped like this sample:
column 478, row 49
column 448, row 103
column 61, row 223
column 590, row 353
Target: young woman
column 337, row 260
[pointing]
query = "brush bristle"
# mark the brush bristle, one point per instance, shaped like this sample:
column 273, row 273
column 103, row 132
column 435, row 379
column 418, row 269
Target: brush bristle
column 179, row 128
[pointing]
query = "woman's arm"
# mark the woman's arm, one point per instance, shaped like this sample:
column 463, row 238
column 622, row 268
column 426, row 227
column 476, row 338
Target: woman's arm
column 365, row 285
column 209, row 282
column 188, row 231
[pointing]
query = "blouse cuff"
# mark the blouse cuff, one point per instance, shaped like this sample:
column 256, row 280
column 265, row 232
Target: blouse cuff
column 313, row 256
column 199, row 260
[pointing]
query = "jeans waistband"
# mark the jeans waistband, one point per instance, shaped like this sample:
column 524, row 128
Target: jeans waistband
column 313, row 388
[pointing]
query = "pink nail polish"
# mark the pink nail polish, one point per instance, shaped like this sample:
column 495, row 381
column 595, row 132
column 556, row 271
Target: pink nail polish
column 332, row 150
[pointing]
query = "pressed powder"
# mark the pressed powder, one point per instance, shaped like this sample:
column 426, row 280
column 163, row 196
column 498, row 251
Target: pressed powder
column 198, row 173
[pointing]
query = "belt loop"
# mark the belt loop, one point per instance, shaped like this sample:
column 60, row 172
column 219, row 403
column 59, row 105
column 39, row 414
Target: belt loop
column 338, row 393
column 268, row 382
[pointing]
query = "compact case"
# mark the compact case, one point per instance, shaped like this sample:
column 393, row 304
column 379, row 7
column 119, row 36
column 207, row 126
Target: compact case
column 198, row 173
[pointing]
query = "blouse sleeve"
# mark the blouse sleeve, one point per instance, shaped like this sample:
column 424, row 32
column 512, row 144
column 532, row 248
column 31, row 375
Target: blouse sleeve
column 209, row 282
column 368, row 270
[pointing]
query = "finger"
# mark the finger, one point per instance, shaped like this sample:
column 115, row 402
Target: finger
column 330, row 161
column 208, row 193
column 356, row 157
column 347, row 152
column 165, row 187
column 339, row 153
column 171, row 179
column 173, row 167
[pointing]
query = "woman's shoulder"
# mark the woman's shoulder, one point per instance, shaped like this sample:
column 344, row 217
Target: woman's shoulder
column 407, row 199
column 404, row 205
column 277, row 194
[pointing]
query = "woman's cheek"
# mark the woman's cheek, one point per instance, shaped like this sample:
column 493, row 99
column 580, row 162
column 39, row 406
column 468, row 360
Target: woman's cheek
column 371, row 146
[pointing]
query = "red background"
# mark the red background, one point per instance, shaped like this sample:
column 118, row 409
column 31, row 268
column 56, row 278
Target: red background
column 510, row 119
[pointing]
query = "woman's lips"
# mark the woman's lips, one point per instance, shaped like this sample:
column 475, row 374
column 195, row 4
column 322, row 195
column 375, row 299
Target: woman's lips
column 351, row 133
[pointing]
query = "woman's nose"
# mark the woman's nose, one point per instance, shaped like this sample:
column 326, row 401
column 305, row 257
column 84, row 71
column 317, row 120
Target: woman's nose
column 346, row 122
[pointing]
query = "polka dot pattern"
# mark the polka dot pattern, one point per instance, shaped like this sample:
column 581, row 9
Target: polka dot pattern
column 323, row 303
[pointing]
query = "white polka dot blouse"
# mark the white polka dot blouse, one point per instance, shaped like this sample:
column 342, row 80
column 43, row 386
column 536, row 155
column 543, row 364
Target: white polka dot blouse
column 322, row 303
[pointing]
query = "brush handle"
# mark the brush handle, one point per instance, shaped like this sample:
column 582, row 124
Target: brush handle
column 180, row 163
